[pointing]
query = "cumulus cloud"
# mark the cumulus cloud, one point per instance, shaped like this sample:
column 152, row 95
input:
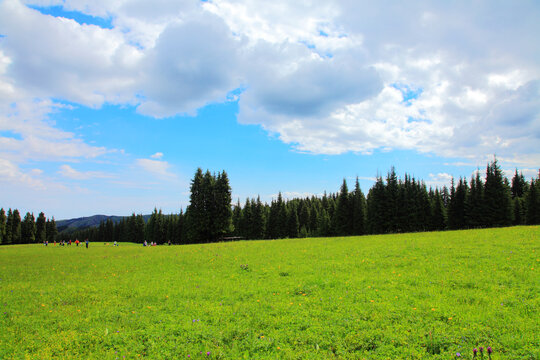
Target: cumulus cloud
column 326, row 79
column 193, row 63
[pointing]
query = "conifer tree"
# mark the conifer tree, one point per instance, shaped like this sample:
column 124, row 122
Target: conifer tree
column 222, row 212
column 139, row 229
column 28, row 229
column 358, row 210
column 376, row 208
column 272, row 223
column 519, row 185
column 343, row 212
column 474, row 206
column 282, row 223
column 3, row 220
column 313, row 219
column 518, row 217
column 196, row 219
column 324, row 223
column 423, row 207
column 456, row 207
column 532, row 201
column 246, row 220
column 258, row 219
column 391, row 203
column 304, row 217
column 41, row 228
column 236, row 217
column 180, row 228
column 16, row 227
column 439, row 212
column 51, row 230
column 497, row 205
column 292, row 221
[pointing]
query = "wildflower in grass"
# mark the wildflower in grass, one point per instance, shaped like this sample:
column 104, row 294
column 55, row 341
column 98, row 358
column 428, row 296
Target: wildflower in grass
column 481, row 350
column 474, row 351
column 489, row 351
column 458, row 355
column 208, row 353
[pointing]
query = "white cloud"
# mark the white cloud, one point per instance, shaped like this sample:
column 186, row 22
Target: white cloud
column 157, row 155
column 321, row 77
column 156, row 167
column 69, row 172
column 11, row 173
column 439, row 180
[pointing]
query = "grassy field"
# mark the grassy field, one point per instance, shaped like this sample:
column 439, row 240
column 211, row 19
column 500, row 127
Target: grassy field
column 411, row 296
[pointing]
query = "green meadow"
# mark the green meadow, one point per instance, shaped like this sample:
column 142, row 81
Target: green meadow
column 406, row 296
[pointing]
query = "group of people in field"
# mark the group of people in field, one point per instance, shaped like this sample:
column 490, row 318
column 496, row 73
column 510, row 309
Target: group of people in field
column 68, row 243
column 77, row 242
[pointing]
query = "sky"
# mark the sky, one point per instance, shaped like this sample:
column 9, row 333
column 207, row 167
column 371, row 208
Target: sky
column 109, row 107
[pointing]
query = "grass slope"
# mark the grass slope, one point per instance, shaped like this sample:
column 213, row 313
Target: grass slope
column 409, row 296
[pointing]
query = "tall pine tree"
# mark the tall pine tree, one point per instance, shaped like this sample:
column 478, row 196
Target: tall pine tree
column 3, row 220
column 41, row 228
column 28, row 229
column 497, row 205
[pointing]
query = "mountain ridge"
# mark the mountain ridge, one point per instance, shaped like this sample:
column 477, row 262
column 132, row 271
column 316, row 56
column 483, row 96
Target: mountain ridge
column 85, row 222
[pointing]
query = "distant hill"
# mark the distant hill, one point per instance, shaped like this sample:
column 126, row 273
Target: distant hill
column 70, row 225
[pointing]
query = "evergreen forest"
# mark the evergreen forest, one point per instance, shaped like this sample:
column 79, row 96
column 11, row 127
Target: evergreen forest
column 392, row 205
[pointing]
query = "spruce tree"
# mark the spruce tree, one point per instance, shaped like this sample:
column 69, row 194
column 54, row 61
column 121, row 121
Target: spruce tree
column 196, row 220
column 304, row 216
column 16, row 227
column 28, row 229
column 519, row 185
column 139, row 229
column 324, row 223
column 292, row 221
column 518, row 218
column 438, row 221
column 236, row 217
column 343, row 212
column 391, row 203
column 532, row 203
column 313, row 219
column 51, row 230
column 376, row 208
column 258, row 219
column 282, row 217
column 358, row 210
column 456, row 207
column 246, row 220
column 423, row 207
column 497, row 205
column 222, row 217
column 272, row 223
column 3, row 220
column 474, row 207
column 41, row 228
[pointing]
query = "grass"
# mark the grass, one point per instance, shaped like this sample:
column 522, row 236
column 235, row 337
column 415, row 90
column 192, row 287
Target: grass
column 408, row 296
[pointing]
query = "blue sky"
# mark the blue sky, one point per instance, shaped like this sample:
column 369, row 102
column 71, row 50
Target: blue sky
column 110, row 107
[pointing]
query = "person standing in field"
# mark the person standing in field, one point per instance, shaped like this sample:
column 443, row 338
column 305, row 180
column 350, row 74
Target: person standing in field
column 86, row 241
column 77, row 242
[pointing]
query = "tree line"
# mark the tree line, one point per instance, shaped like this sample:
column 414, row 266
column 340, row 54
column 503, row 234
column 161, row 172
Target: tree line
column 29, row 230
column 392, row 205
